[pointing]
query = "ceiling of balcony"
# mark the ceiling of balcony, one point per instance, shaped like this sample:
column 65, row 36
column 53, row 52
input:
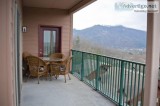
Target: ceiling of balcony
column 59, row 4
column 70, row 5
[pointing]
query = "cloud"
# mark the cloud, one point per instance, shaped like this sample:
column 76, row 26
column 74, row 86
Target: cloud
column 103, row 12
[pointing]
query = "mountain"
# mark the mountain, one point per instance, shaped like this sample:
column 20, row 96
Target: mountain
column 113, row 36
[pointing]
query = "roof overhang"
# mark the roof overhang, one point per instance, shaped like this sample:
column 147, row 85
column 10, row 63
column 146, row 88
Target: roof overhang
column 71, row 6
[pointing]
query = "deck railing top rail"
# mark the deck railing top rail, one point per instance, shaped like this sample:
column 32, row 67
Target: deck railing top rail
column 109, row 57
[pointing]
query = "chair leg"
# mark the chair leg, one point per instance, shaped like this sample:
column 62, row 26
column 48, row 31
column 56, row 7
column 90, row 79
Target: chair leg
column 65, row 78
column 28, row 77
column 50, row 76
column 69, row 76
column 56, row 76
column 47, row 76
column 38, row 79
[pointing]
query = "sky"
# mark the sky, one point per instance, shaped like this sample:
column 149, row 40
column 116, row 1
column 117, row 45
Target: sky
column 102, row 12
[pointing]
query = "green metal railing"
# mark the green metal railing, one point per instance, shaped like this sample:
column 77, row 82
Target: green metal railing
column 119, row 80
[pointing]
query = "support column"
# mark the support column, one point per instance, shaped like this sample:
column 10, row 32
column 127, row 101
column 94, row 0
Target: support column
column 152, row 59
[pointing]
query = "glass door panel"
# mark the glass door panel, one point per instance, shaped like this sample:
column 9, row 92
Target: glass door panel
column 53, row 42
column 46, row 43
column 49, row 42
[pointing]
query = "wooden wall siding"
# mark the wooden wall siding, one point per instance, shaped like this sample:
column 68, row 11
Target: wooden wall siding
column 33, row 17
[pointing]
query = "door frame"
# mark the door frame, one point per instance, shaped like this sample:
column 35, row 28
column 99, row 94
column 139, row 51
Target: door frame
column 40, row 36
column 17, row 52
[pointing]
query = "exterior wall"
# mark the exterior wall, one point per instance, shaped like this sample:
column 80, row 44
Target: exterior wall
column 34, row 17
column 7, row 90
column 7, row 53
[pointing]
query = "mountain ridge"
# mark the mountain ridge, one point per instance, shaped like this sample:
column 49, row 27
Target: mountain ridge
column 118, row 37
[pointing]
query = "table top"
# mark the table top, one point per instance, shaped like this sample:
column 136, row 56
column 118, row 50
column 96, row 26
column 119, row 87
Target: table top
column 48, row 59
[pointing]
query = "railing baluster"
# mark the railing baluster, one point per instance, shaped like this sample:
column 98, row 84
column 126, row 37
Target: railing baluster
column 128, row 81
column 116, row 87
column 135, row 77
column 121, row 84
column 97, row 72
column 105, row 76
column 138, row 82
column 131, row 82
column 114, row 77
column 95, row 68
column 72, row 71
column 142, row 87
column 119, row 75
column 88, row 66
column 82, row 68
column 124, row 88
column 108, row 78
column 111, row 78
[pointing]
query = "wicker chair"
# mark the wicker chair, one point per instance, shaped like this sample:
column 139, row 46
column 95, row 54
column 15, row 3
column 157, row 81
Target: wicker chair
column 37, row 67
column 57, row 55
column 25, row 67
column 62, row 68
column 26, row 54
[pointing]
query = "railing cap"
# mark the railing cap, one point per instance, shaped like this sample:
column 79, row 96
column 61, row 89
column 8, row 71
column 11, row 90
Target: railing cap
column 109, row 57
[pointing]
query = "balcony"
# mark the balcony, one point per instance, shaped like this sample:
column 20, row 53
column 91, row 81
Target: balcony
column 117, row 82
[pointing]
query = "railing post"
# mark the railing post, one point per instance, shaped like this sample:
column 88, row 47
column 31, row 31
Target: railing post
column 82, row 67
column 72, row 62
column 121, row 85
column 97, row 71
column 72, row 71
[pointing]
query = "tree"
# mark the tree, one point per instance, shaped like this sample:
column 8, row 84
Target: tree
column 76, row 43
